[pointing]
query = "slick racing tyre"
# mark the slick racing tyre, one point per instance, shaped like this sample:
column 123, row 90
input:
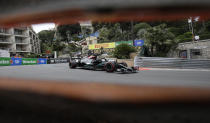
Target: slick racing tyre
column 72, row 65
column 110, row 67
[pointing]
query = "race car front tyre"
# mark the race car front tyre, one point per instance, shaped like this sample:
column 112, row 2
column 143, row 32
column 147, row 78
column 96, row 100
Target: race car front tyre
column 110, row 67
column 72, row 65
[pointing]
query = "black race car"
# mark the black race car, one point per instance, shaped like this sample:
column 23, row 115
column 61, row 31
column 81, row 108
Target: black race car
column 92, row 63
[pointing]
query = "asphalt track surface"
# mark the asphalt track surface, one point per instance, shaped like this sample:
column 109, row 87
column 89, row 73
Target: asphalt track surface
column 160, row 77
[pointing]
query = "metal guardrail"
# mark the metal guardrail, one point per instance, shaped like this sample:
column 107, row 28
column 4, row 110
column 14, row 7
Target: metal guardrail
column 57, row 60
column 159, row 62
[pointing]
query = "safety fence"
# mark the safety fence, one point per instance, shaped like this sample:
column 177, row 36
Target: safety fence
column 159, row 62
column 22, row 61
column 58, row 60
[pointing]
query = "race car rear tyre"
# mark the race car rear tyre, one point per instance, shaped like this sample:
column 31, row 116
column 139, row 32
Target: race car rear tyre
column 72, row 65
column 110, row 67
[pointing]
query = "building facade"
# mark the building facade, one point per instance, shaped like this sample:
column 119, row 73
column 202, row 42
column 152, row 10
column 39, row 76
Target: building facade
column 20, row 40
column 195, row 50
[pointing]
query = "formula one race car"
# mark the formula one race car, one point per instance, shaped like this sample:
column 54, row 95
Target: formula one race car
column 92, row 63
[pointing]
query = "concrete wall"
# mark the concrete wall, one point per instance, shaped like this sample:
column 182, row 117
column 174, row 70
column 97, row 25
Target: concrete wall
column 203, row 46
column 129, row 62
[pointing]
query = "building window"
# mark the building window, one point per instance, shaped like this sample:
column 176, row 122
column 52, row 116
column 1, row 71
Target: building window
column 183, row 54
column 18, row 32
column 196, row 52
column 18, row 40
column 2, row 30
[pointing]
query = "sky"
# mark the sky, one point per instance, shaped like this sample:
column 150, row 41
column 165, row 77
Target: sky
column 44, row 26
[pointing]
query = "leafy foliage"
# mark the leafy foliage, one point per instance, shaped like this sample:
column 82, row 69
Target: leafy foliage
column 72, row 31
column 141, row 26
column 123, row 51
column 58, row 46
column 159, row 39
column 73, row 48
column 111, row 34
column 184, row 38
column 46, row 37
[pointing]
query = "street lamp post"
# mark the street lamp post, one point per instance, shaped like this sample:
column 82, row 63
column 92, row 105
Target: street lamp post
column 190, row 21
column 68, row 35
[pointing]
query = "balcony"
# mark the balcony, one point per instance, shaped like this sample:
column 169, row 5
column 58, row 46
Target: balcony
column 19, row 33
column 20, row 42
column 21, row 28
column 5, row 48
column 22, row 50
column 4, row 41
column 4, row 32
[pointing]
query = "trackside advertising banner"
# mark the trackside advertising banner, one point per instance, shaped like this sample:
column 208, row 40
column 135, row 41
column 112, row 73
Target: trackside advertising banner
column 16, row 61
column 124, row 42
column 21, row 61
column 27, row 61
column 104, row 45
column 42, row 61
column 5, row 61
column 138, row 43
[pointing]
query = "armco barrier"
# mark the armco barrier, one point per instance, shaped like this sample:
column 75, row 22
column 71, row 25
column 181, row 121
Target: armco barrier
column 158, row 62
column 5, row 61
column 57, row 60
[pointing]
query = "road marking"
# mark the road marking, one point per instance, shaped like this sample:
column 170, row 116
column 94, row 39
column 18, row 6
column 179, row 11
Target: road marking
column 178, row 69
column 142, row 68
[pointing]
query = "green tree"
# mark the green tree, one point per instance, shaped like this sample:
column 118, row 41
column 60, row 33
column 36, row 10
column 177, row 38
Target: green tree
column 86, row 32
column 123, row 51
column 115, row 33
column 110, row 34
column 58, row 46
column 159, row 39
column 69, row 31
column 73, row 48
column 103, row 35
column 184, row 37
column 140, row 26
column 47, row 38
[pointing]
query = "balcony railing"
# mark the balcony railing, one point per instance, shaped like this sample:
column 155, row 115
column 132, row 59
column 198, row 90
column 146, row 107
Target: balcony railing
column 21, row 50
column 21, row 28
column 18, row 33
column 2, row 31
column 4, row 41
column 21, row 42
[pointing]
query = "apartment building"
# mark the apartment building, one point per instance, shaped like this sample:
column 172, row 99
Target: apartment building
column 20, row 40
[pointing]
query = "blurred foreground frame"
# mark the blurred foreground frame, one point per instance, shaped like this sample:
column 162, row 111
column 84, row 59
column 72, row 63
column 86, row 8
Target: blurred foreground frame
column 25, row 12
column 24, row 101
